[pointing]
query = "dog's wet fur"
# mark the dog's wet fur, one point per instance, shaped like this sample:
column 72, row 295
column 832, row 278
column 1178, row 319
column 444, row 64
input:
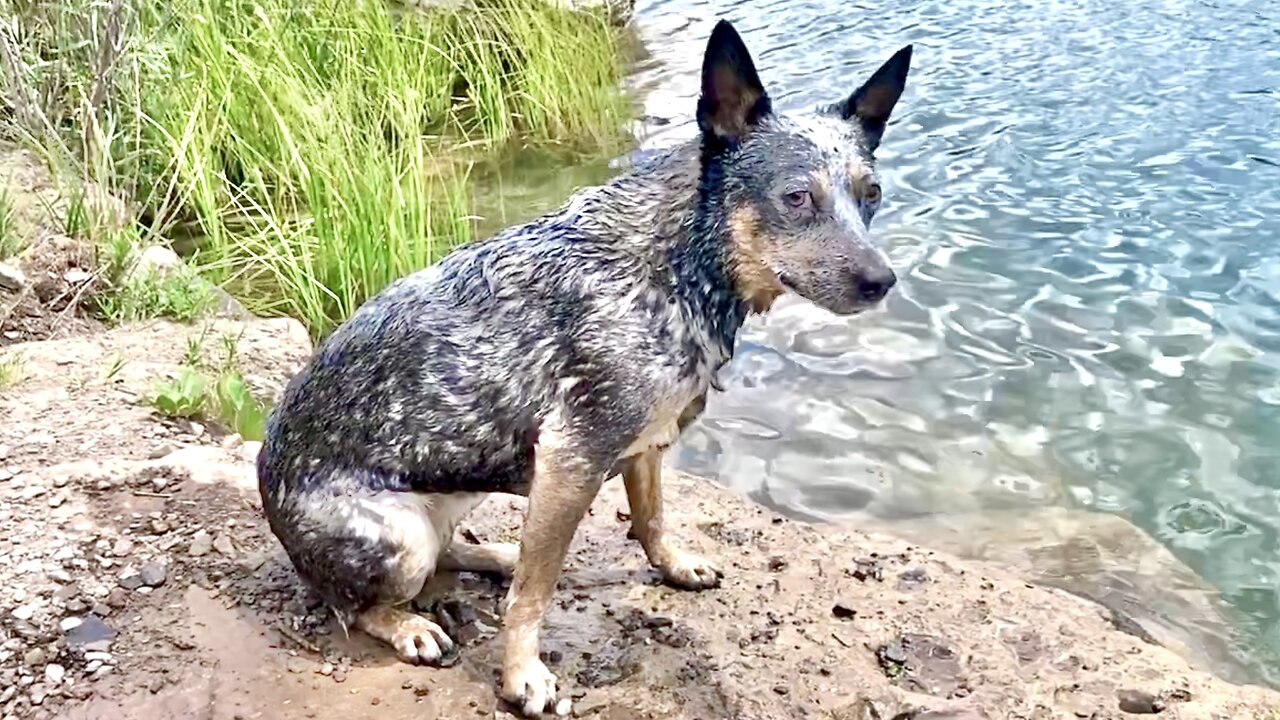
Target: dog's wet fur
column 562, row 352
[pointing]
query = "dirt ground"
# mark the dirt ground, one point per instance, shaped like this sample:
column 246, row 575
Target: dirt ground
column 138, row 580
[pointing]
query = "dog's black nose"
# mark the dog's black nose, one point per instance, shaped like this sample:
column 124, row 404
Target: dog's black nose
column 873, row 288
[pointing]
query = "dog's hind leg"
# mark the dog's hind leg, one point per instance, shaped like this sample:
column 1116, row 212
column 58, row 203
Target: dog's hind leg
column 497, row 558
column 369, row 554
column 642, row 475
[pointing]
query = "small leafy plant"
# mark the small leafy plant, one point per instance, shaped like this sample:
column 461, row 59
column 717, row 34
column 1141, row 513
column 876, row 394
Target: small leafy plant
column 182, row 397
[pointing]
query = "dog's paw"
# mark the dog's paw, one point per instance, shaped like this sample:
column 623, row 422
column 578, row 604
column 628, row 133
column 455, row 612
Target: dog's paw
column 530, row 686
column 688, row 571
column 418, row 641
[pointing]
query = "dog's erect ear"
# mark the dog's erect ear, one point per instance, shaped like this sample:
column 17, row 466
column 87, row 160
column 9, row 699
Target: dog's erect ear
column 872, row 103
column 733, row 100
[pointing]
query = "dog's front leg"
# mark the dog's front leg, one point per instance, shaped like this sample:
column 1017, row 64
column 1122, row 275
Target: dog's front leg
column 562, row 490
column 642, row 475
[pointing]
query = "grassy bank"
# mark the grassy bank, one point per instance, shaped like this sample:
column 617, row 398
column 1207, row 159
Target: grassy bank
column 310, row 153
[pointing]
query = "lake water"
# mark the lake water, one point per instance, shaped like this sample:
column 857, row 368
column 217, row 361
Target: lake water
column 1083, row 205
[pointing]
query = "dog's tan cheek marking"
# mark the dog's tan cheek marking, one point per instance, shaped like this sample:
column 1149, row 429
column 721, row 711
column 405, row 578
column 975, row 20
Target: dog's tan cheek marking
column 755, row 281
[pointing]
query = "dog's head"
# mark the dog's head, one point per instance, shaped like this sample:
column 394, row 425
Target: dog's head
column 799, row 191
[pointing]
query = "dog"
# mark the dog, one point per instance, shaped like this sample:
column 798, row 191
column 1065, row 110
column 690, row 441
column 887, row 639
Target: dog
column 563, row 352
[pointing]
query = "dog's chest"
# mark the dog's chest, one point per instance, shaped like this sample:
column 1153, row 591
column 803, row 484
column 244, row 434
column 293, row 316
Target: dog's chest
column 663, row 426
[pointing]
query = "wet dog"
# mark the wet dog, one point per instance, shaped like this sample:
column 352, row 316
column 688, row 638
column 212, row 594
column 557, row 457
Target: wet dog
column 563, row 352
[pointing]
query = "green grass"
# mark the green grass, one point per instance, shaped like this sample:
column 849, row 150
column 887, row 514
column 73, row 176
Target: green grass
column 313, row 152
column 11, row 242
column 11, row 369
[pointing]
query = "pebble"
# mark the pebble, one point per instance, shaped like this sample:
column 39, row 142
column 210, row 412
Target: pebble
column 297, row 665
column 843, row 610
column 54, row 673
column 222, row 544
column 130, row 579
column 563, row 707
column 326, row 669
column 60, row 576
column 11, row 278
column 98, row 656
column 154, row 574
column 123, row 547
column 159, row 527
column 201, row 544
column 35, row 657
column 24, row 612
column 70, row 623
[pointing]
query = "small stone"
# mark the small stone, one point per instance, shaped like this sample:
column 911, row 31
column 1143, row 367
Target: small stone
column 54, row 673
column 98, row 656
column 92, row 634
column 201, row 543
column 123, row 547
column 60, row 576
column 92, row 666
column 340, row 675
column 159, row 527
column 222, row 544
column 117, row 598
column 777, row 563
column 1137, row 702
column 843, row 610
column 77, row 605
column 11, row 278
column 159, row 483
column 781, row 689
column 867, row 569
column 38, row 693
column 563, row 707
column 70, row 623
column 35, row 657
column 76, row 276
column 297, row 665
column 100, row 609
column 58, row 499
column 130, row 579
column 327, row 670
column 913, row 578
column 153, row 574
column 24, row 612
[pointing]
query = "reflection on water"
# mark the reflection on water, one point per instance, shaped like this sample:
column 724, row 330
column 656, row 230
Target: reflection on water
column 1083, row 203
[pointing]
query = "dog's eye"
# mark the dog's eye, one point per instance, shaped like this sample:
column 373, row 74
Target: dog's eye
column 873, row 193
column 796, row 199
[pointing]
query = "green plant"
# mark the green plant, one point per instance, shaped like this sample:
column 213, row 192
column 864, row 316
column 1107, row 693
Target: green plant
column 114, row 366
column 180, row 295
column 11, row 243
column 237, row 409
column 312, row 153
column 11, row 369
column 182, row 397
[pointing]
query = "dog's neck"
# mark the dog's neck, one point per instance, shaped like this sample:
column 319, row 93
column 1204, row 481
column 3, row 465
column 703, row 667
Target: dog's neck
column 699, row 256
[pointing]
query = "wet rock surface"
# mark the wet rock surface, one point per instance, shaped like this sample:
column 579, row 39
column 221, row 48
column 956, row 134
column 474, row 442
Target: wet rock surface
column 153, row 589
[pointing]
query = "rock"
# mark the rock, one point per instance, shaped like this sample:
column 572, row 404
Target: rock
column 54, row 673
column 159, row 527
column 297, row 665
column 868, row 569
column 117, row 598
column 24, row 612
column 1137, row 702
column 77, row 276
column 92, row 634
column 35, row 657
column 155, row 260
column 130, row 579
column 843, row 610
column 222, row 544
column 70, row 623
column 201, row 543
column 60, row 576
column 913, row 578
column 154, row 574
column 11, row 278
column 122, row 547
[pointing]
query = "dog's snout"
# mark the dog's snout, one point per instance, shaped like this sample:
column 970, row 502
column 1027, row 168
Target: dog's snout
column 873, row 288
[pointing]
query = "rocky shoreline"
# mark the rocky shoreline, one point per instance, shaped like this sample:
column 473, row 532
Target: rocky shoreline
column 138, row 580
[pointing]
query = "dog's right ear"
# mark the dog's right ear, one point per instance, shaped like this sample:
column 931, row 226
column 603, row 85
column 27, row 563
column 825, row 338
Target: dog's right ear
column 733, row 101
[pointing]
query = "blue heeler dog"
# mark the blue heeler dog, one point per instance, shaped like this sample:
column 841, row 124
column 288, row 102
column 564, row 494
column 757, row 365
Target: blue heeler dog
column 559, row 353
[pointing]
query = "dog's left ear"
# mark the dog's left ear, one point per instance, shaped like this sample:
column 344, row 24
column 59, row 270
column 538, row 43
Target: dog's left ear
column 733, row 101
column 872, row 103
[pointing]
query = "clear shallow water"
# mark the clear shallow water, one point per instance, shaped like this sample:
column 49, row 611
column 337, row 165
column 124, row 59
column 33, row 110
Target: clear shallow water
column 1083, row 204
